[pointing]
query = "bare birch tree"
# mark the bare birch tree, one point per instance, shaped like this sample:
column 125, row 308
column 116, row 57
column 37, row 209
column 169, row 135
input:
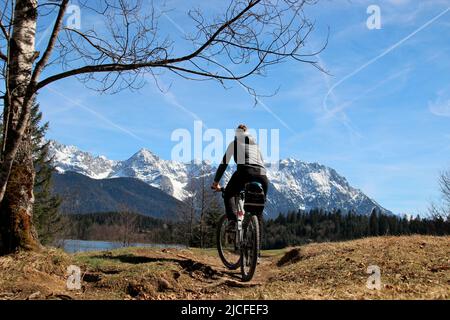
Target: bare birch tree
column 442, row 209
column 127, row 223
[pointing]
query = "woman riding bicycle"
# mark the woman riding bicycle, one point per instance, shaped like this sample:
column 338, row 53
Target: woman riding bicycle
column 250, row 168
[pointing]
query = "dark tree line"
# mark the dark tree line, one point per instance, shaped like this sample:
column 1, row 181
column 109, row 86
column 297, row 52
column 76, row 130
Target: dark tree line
column 318, row 225
column 127, row 227
column 295, row 228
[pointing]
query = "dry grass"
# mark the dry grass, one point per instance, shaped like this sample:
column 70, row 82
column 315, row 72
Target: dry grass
column 415, row 267
column 36, row 274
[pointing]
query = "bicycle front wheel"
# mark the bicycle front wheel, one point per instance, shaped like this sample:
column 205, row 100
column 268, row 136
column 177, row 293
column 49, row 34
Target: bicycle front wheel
column 226, row 245
column 250, row 248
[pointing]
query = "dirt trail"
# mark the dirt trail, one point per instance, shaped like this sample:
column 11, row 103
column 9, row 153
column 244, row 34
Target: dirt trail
column 411, row 267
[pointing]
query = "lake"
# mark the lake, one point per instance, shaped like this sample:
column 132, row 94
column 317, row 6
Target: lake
column 72, row 246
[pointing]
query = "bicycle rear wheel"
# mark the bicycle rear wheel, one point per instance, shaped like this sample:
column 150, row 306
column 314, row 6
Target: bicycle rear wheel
column 250, row 248
column 226, row 245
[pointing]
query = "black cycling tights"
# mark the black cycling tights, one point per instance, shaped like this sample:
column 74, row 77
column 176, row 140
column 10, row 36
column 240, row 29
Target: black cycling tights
column 237, row 184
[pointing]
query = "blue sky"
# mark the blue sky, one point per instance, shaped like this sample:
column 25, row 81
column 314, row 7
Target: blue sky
column 381, row 117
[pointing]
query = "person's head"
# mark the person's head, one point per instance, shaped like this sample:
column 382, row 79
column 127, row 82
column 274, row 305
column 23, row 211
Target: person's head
column 243, row 135
column 241, row 129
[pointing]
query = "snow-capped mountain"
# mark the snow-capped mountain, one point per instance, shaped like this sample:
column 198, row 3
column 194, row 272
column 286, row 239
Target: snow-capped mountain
column 169, row 176
column 293, row 184
column 70, row 158
column 301, row 185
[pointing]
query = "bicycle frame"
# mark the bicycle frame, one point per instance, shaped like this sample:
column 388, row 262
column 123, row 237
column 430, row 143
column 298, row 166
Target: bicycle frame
column 240, row 218
column 243, row 239
column 240, row 214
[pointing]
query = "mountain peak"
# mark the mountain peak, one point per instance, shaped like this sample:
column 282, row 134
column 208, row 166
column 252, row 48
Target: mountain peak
column 146, row 155
column 70, row 158
column 289, row 161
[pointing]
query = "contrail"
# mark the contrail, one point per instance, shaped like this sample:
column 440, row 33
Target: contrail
column 88, row 109
column 171, row 98
column 97, row 115
column 388, row 50
column 265, row 107
column 332, row 112
column 43, row 35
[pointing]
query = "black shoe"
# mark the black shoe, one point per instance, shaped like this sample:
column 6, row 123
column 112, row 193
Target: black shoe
column 230, row 232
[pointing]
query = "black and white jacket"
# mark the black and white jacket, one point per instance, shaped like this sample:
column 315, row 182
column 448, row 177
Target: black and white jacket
column 246, row 154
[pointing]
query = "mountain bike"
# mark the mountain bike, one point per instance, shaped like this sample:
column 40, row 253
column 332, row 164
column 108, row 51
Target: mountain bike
column 240, row 247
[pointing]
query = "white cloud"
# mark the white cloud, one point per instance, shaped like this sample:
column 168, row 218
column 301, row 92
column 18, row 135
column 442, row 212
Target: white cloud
column 441, row 106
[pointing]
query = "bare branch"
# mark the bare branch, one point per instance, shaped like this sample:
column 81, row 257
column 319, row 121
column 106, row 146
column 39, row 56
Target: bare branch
column 241, row 36
column 4, row 31
column 40, row 65
column 2, row 16
column 444, row 183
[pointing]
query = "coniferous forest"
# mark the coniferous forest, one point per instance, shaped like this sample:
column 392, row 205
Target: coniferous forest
column 294, row 228
column 318, row 225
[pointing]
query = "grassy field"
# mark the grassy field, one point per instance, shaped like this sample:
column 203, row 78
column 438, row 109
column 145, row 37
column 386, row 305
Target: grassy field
column 412, row 267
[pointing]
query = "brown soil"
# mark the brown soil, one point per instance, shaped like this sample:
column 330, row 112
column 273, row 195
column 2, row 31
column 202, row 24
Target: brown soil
column 415, row 267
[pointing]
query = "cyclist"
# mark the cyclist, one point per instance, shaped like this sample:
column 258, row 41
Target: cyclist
column 250, row 168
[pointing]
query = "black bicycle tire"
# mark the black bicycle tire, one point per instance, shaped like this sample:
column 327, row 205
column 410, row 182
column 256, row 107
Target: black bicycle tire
column 231, row 266
column 256, row 241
